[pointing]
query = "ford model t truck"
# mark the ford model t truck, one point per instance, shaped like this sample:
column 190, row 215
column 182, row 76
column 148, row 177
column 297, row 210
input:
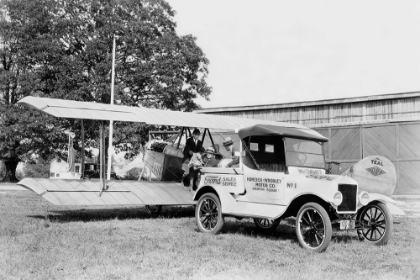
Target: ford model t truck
column 281, row 173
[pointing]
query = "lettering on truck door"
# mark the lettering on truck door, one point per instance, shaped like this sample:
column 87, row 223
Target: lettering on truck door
column 263, row 185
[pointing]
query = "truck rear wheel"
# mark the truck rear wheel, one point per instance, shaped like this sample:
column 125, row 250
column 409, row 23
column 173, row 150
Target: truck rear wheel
column 313, row 227
column 208, row 214
column 375, row 224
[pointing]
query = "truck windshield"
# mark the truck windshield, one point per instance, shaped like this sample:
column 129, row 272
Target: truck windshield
column 306, row 153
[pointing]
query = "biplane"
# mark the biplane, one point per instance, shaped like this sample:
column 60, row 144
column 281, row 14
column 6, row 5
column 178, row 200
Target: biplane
column 165, row 166
column 281, row 173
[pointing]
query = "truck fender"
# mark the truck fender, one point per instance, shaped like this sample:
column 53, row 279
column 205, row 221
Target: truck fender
column 389, row 202
column 202, row 190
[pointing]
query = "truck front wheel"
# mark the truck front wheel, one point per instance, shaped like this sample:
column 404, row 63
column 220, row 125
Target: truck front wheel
column 313, row 227
column 208, row 214
column 375, row 224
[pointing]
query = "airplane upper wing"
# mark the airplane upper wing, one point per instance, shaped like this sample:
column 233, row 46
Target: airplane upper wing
column 99, row 111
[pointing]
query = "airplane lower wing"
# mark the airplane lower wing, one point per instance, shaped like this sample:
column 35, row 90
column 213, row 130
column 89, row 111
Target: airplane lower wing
column 86, row 192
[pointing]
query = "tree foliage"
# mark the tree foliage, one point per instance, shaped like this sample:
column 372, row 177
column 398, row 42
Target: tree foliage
column 63, row 49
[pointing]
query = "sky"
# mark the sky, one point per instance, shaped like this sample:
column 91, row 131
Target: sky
column 276, row 51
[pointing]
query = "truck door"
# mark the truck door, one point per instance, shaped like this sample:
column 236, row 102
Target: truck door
column 264, row 168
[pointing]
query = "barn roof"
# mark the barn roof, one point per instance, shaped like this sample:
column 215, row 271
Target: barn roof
column 313, row 103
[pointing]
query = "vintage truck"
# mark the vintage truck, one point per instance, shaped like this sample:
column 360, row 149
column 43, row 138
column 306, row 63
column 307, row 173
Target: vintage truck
column 281, row 174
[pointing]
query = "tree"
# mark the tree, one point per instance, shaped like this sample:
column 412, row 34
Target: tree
column 23, row 133
column 62, row 49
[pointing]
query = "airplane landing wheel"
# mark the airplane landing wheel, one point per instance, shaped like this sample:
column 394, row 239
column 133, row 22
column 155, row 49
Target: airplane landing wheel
column 267, row 224
column 153, row 209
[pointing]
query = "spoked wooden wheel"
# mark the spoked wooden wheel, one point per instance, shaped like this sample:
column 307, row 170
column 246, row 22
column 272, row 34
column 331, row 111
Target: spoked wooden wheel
column 153, row 209
column 313, row 227
column 267, row 224
column 208, row 214
column 375, row 224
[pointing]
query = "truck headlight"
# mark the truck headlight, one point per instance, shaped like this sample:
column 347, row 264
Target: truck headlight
column 338, row 198
column 364, row 198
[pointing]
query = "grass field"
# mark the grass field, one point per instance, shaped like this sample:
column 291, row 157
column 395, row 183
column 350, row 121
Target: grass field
column 40, row 241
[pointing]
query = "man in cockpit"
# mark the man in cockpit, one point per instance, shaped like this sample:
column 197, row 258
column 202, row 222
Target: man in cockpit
column 193, row 145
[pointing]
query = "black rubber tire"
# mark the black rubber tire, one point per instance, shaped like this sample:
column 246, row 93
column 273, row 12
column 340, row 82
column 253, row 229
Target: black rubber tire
column 377, row 223
column 208, row 214
column 153, row 209
column 267, row 224
column 313, row 227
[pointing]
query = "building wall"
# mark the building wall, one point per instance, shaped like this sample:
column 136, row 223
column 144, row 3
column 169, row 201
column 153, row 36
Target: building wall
column 395, row 141
column 331, row 112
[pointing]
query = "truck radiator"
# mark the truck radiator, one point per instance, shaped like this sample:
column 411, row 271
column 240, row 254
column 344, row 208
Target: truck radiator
column 349, row 197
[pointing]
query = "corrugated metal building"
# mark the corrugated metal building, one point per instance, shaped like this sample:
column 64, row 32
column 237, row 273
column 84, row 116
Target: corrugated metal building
column 386, row 125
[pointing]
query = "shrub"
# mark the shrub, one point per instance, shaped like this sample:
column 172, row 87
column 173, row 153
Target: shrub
column 36, row 170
